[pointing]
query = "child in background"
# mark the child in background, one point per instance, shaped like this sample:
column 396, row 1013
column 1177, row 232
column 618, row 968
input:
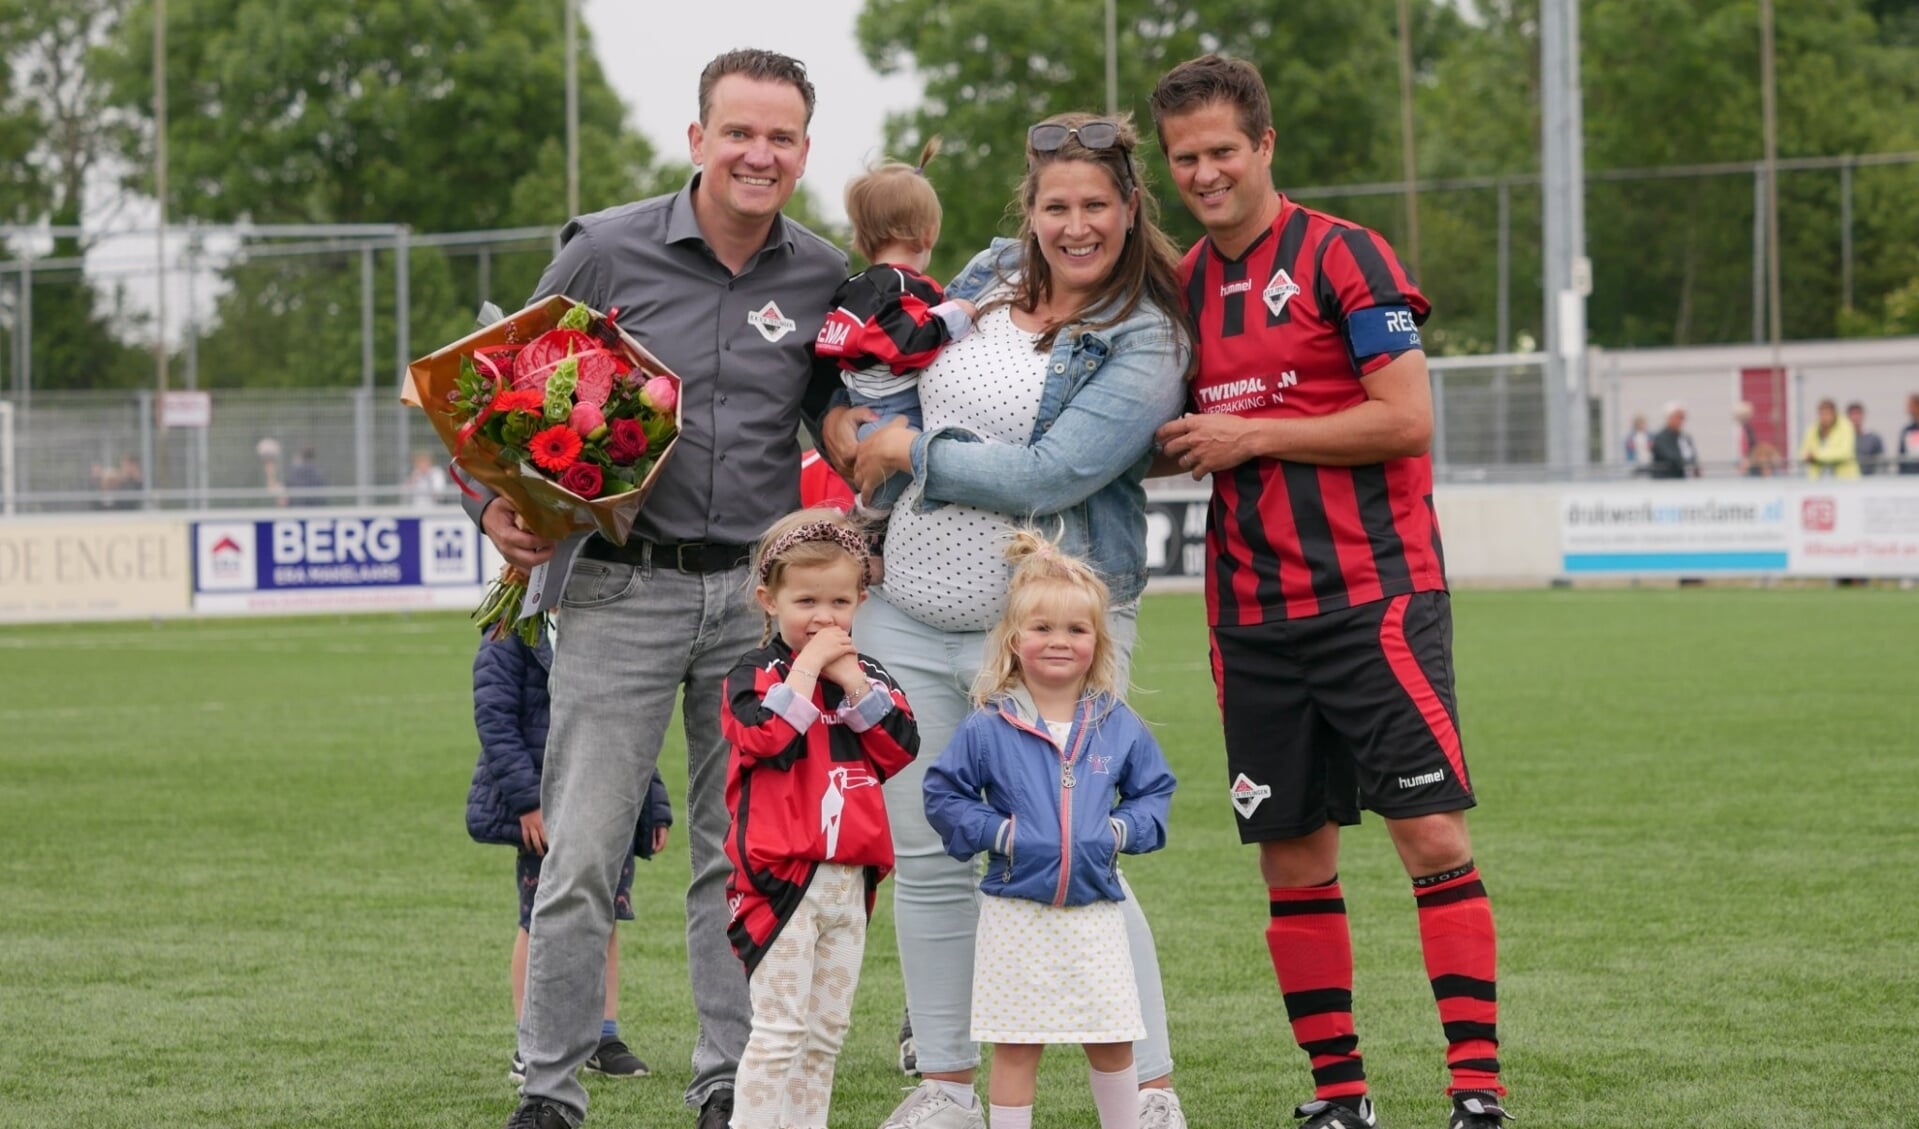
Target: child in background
column 821, row 485
column 816, row 728
column 510, row 707
column 1052, row 752
column 889, row 321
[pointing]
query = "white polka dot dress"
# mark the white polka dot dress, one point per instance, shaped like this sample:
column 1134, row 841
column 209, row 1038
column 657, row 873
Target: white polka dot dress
column 947, row 568
column 1053, row 974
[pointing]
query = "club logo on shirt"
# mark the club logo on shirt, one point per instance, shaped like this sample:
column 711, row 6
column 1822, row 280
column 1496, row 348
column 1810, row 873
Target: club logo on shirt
column 771, row 323
column 1279, row 291
column 1247, row 796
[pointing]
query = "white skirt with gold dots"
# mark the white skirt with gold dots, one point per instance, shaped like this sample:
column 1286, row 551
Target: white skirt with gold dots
column 1053, row 974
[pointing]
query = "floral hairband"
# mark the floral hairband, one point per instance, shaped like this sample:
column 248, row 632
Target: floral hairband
column 845, row 538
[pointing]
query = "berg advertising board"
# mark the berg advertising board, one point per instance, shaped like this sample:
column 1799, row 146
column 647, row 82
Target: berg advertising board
column 336, row 561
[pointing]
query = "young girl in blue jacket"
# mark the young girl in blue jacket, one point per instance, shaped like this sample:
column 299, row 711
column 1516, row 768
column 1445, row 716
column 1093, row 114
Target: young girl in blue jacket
column 1054, row 777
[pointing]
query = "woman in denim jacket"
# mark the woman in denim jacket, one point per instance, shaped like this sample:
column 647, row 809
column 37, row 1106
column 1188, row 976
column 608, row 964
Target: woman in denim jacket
column 1044, row 416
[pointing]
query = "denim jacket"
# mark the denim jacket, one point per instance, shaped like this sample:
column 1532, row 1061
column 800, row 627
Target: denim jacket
column 1106, row 392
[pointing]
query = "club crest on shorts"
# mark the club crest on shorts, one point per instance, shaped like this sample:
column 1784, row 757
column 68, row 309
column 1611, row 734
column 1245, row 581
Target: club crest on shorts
column 1247, row 796
column 771, row 323
column 1279, row 291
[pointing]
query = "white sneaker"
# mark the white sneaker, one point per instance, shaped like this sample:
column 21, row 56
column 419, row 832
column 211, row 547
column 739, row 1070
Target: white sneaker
column 928, row 1107
column 1159, row 1109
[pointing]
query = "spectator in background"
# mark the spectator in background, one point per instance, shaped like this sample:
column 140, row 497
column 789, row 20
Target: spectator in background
column 1747, row 438
column 1909, row 438
column 1828, row 449
column 118, row 486
column 1867, row 447
column 426, row 484
column 269, row 452
column 305, row 476
column 1639, row 446
column 1673, row 455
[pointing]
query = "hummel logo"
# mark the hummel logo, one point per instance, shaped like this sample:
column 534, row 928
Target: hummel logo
column 1433, row 777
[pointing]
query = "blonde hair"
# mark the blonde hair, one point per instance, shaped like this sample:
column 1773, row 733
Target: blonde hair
column 1045, row 577
column 808, row 539
column 893, row 202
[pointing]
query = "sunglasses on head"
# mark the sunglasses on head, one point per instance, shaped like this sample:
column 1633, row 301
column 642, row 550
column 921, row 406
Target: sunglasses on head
column 1047, row 137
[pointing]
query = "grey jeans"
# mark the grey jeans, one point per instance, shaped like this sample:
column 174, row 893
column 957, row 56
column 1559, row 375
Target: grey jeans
column 630, row 640
column 935, row 896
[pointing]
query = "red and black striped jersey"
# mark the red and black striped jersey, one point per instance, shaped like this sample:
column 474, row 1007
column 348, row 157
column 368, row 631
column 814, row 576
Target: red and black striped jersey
column 884, row 316
column 1287, row 330
column 802, row 788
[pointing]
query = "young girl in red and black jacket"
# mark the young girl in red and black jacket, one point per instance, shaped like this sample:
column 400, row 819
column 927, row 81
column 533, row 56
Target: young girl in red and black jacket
column 816, row 729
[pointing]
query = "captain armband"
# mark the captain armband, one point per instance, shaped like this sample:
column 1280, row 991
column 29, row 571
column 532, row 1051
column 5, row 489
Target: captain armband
column 1381, row 331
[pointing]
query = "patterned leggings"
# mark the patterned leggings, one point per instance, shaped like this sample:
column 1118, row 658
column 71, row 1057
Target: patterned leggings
column 802, row 994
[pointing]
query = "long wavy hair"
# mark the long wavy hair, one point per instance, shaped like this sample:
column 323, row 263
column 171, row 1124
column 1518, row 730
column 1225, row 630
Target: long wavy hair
column 1147, row 269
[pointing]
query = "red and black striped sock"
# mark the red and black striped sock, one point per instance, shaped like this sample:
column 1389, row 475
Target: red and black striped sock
column 1313, row 957
column 1456, row 933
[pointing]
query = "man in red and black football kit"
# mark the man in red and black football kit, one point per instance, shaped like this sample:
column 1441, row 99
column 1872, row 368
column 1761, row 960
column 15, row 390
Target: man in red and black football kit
column 1331, row 626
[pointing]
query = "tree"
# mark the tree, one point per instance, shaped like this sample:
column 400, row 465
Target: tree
column 444, row 115
column 994, row 67
column 1673, row 258
column 54, row 133
column 432, row 113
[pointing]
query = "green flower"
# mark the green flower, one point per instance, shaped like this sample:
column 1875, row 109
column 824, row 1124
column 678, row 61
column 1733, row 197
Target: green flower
column 559, row 390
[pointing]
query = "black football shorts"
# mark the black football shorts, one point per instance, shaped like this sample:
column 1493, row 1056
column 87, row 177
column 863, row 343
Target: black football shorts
column 1332, row 713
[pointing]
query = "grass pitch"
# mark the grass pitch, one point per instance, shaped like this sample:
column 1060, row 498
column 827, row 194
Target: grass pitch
column 238, row 890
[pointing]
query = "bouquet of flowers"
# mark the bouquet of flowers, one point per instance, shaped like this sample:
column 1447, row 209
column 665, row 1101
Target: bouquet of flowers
column 558, row 410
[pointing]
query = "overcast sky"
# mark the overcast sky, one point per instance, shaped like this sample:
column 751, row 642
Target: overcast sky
column 653, row 53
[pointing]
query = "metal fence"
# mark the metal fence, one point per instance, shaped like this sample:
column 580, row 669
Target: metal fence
column 301, row 334
column 69, row 449
column 60, row 452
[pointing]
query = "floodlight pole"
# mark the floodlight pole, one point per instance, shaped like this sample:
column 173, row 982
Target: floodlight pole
column 1769, row 99
column 1112, row 59
column 1409, row 166
column 572, row 108
column 157, row 467
column 1568, row 273
column 160, row 194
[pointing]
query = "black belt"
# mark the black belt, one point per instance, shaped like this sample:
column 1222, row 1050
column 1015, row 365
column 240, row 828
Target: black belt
column 687, row 556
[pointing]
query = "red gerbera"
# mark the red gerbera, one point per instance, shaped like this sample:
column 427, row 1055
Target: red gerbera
column 519, row 400
column 555, row 449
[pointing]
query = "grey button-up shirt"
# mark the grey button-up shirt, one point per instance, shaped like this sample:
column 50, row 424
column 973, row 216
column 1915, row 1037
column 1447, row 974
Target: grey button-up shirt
column 740, row 344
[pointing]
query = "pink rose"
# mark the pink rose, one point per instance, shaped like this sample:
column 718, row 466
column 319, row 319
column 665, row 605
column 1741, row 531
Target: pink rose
column 586, row 419
column 583, row 479
column 626, row 443
column 660, row 394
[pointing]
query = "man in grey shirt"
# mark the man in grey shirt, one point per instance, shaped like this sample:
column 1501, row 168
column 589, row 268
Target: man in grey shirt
column 729, row 294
